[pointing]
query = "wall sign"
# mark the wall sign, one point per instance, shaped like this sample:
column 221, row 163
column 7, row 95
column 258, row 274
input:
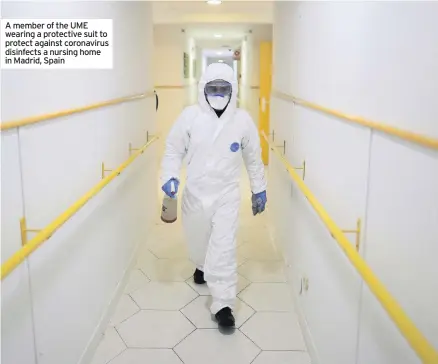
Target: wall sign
column 186, row 65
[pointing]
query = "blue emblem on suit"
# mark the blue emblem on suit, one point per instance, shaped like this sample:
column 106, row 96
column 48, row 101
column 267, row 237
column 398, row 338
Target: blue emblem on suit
column 234, row 147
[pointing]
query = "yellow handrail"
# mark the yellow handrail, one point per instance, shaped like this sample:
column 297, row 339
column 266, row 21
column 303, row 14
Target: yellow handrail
column 415, row 338
column 412, row 137
column 50, row 229
column 171, row 87
column 36, row 119
column 175, row 87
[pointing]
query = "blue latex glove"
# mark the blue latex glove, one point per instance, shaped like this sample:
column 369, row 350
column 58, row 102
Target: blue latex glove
column 170, row 188
column 258, row 202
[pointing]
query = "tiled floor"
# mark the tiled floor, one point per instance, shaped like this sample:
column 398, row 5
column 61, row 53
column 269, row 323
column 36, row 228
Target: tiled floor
column 164, row 318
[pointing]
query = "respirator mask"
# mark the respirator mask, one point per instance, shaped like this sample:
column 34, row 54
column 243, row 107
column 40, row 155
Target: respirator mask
column 218, row 94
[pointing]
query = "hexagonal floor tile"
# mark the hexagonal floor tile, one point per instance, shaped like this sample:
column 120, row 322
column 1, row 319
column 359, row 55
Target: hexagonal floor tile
column 126, row 307
column 198, row 312
column 203, row 290
column 246, row 217
column 268, row 297
column 136, row 280
column 282, row 357
column 212, row 347
column 168, row 249
column 259, row 251
column 254, row 234
column 143, row 356
column 241, row 259
column 169, row 270
column 275, row 331
column 263, row 272
column 155, row 329
column 242, row 283
column 164, row 296
column 251, row 234
column 239, row 241
column 145, row 258
column 167, row 233
column 110, row 346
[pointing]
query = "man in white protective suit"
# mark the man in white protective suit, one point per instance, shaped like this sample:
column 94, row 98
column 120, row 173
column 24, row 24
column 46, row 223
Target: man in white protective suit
column 215, row 137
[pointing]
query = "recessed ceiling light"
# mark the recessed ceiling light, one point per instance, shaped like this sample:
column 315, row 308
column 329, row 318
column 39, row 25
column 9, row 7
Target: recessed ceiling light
column 218, row 35
column 214, row 2
column 221, row 61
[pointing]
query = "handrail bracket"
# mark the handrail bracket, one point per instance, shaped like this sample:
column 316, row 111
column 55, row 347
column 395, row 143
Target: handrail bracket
column 104, row 170
column 302, row 168
column 282, row 147
column 24, row 230
column 357, row 232
column 149, row 136
column 131, row 149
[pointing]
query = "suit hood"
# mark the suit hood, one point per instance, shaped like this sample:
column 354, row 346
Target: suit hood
column 218, row 71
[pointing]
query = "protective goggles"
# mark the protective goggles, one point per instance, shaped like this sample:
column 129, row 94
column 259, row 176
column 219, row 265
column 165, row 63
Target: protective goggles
column 218, row 88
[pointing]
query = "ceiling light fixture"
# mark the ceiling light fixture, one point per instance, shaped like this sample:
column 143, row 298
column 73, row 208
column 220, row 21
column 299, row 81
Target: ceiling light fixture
column 214, row 2
column 221, row 61
column 218, row 35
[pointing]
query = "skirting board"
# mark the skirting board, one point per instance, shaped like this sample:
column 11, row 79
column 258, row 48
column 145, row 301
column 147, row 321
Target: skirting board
column 94, row 342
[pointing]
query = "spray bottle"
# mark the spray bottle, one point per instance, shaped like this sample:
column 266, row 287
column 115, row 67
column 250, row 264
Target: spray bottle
column 169, row 210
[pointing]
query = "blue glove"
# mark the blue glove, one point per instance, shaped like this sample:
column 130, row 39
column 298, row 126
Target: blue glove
column 258, row 202
column 170, row 188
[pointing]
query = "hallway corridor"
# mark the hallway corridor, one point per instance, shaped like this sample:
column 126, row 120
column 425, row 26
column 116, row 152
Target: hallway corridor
column 341, row 268
column 163, row 317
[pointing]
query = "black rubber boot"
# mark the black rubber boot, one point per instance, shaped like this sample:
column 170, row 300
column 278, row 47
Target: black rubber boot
column 225, row 317
column 198, row 277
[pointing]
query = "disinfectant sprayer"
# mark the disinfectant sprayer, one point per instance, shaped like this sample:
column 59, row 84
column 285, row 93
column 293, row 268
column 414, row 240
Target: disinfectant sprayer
column 169, row 210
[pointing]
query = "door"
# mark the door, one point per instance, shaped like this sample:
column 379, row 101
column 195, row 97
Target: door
column 265, row 95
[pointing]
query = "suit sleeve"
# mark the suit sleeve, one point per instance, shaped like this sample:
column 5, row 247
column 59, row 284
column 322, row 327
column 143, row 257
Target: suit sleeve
column 176, row 148
column 252, row 157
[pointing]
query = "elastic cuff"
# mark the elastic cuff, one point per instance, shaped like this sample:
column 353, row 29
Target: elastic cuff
column 256, row 192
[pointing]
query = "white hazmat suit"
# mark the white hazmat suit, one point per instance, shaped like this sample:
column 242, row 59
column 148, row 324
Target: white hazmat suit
column 214, row 148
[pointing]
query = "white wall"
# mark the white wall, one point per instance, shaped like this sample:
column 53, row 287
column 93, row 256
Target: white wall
column 377, row 60
column 191, row 82
column 216, row 43
column 250, row 81
column 169, row 46
column 246, row 72
column 199, row 63
column 55, row 304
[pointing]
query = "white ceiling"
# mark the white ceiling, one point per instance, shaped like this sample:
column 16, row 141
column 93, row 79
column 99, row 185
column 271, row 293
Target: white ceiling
column 207, row 31
column 246, row 11
column 203, row 34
